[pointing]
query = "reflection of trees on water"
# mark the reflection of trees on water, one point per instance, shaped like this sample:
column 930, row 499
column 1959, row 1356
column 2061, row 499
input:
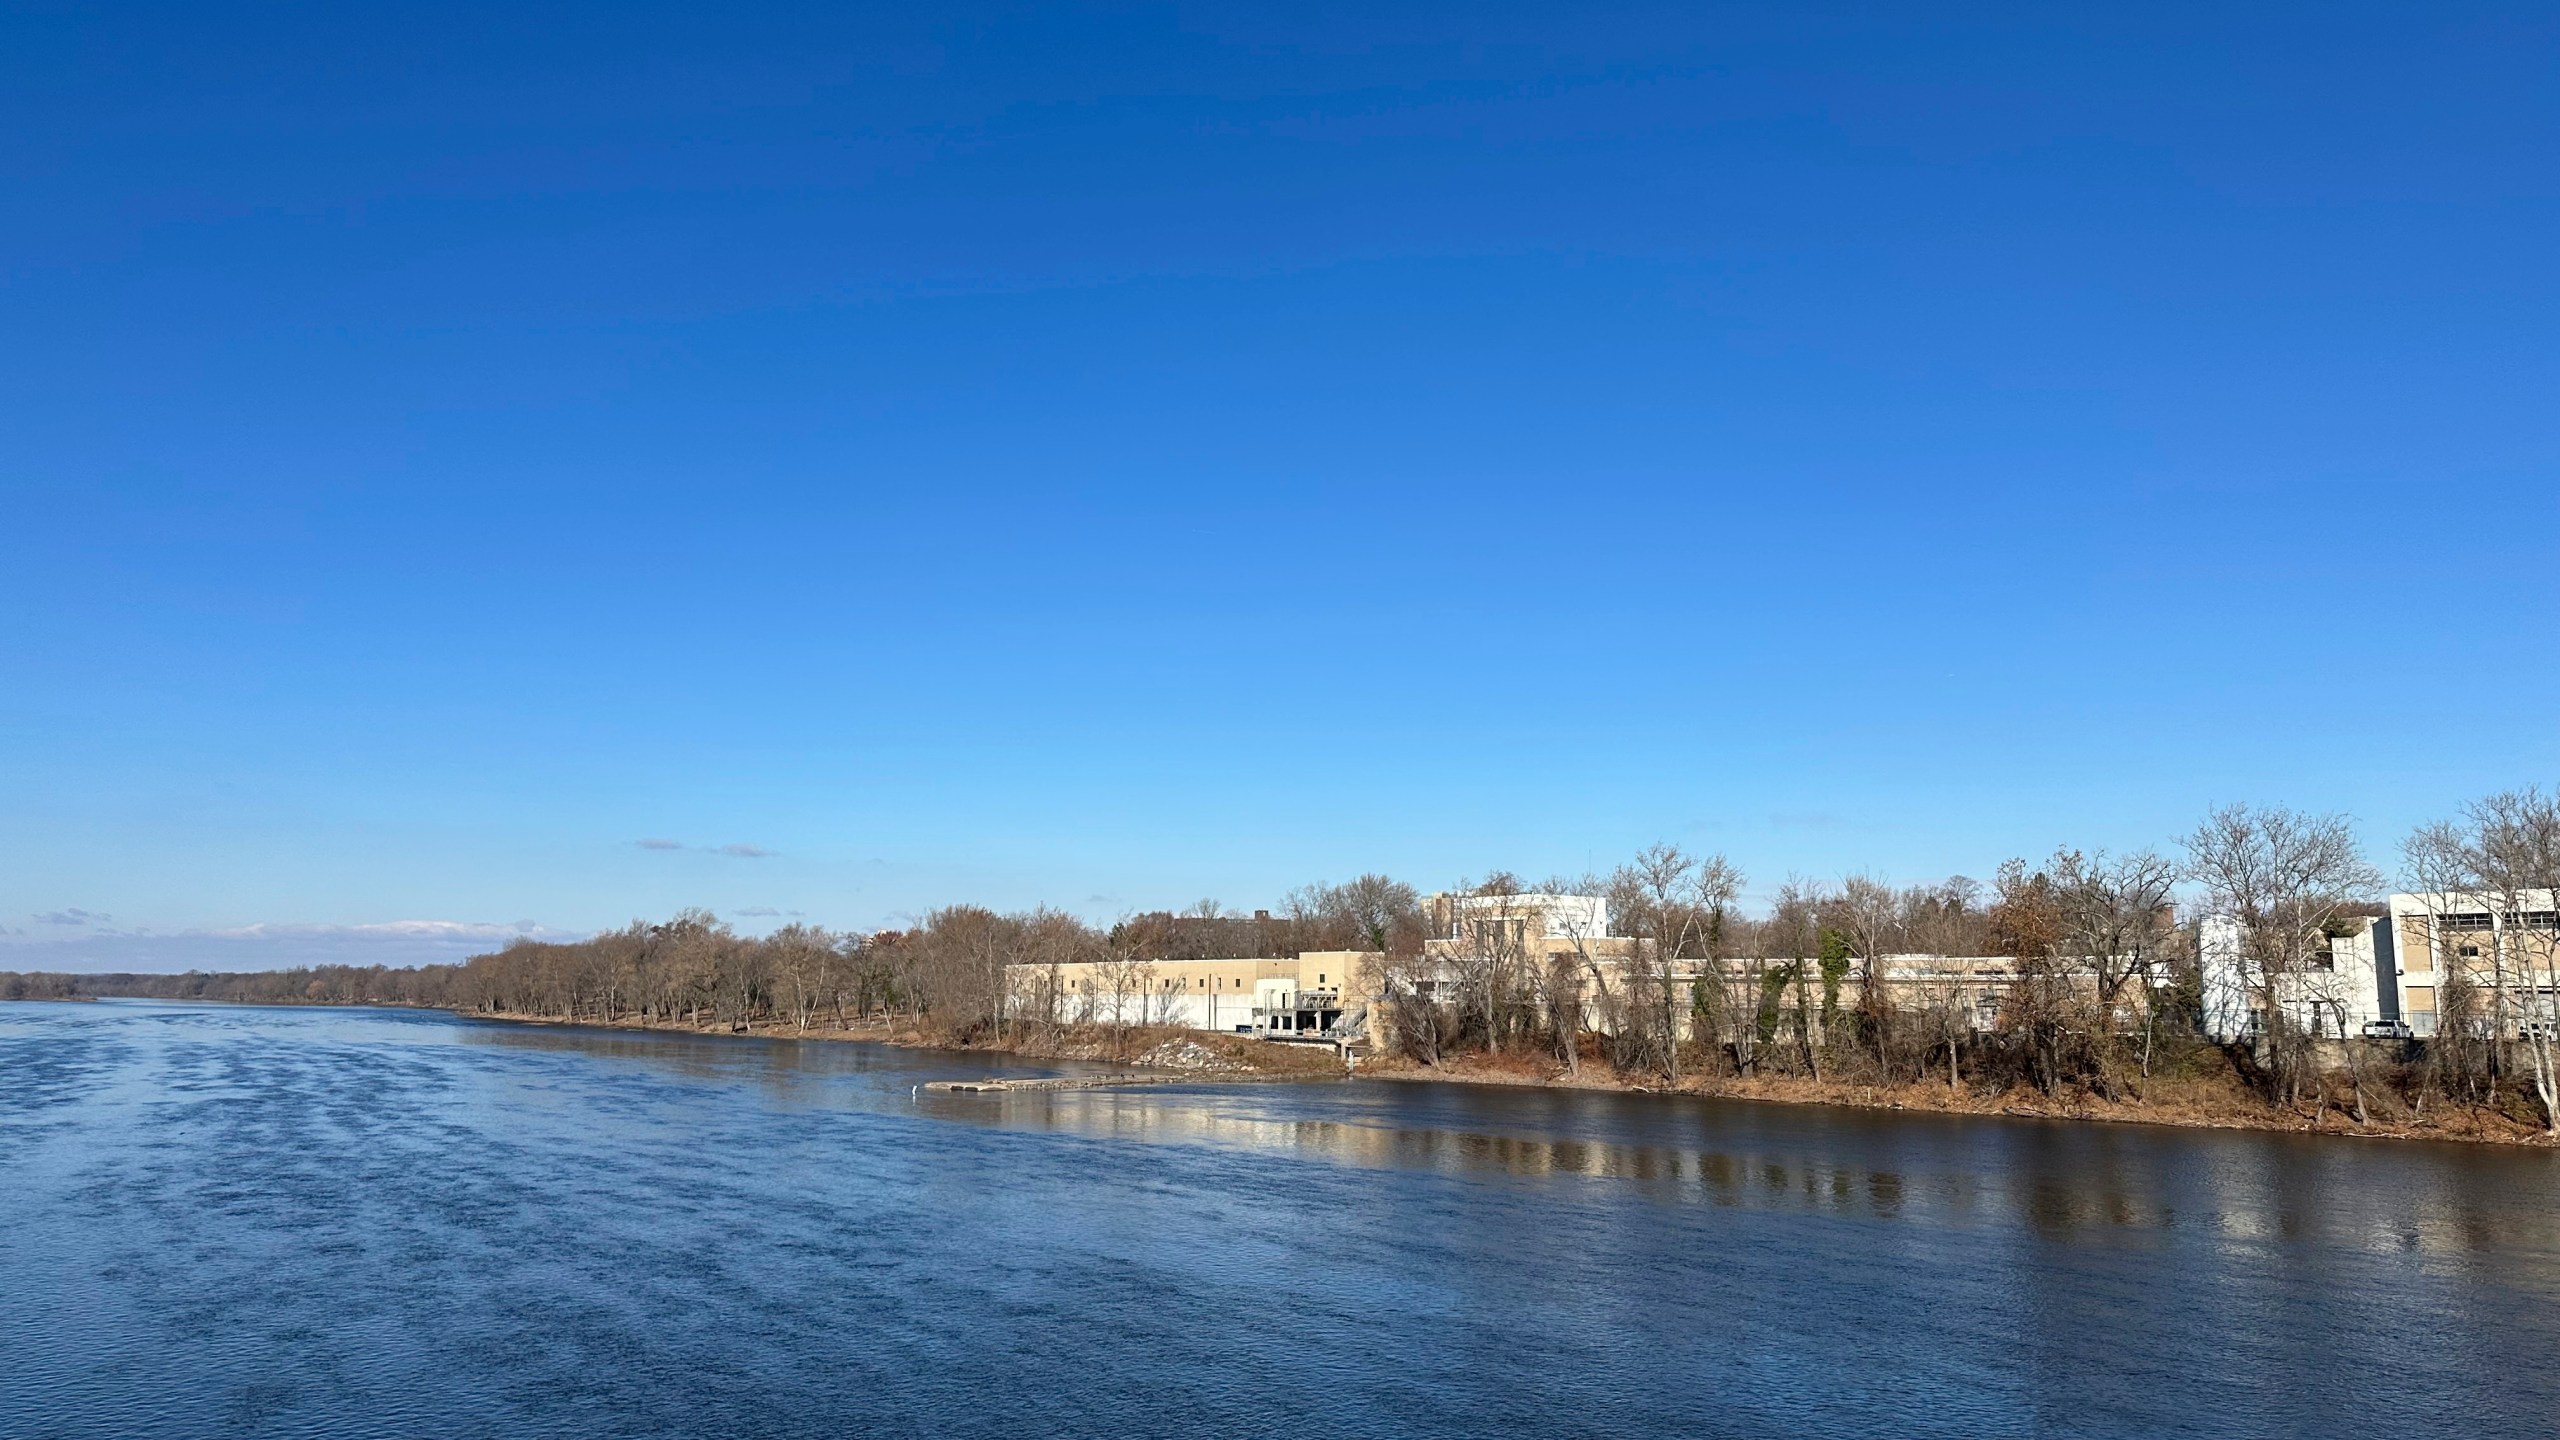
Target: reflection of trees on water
column 2050, row 1179
column 2054, row 1179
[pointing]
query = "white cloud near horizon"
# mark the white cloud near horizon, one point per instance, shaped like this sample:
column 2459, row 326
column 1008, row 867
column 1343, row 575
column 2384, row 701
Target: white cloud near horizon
column 271, row 946
column 740, row 848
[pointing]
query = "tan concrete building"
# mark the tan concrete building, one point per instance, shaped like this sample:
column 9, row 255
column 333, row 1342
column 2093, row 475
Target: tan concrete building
column 1342, row 990
column 2505, row 949
column 1536, row 929
column 1263, row 995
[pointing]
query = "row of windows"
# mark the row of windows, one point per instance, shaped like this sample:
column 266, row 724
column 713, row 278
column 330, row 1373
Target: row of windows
column 2515, row 919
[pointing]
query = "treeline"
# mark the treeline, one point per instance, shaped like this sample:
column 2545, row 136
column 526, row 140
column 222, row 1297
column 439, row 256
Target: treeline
column 1830, row 982
column 2102, row 986
column 425, row 985
column 952, row 976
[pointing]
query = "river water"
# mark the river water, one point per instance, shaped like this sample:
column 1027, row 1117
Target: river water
column 226, row 1221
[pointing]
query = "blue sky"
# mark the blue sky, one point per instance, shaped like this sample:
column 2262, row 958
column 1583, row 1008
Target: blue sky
column 1114, row 456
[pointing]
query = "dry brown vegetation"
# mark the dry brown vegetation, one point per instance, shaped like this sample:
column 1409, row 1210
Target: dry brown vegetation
column 2213, row 1095
column 957, row 977
column 1153, row 1046
column 2101, row 1011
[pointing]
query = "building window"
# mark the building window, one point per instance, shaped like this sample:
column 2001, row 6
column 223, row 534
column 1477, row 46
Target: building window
column 2465, row 920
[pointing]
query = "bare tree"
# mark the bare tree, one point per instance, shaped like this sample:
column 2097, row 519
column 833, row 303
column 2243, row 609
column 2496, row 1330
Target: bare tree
column 1656, row 902
column 805, row 960
column 2279, row 877
column 2118, row 919
column 1794, row 931
column 1746, row 1010
column 1420, row 1020
column 2027, row 925
column 1563, row 995
column 2491, row 883
column 1560, row 1001
column 1944, row 922
column 1715, row 888
column 1124, row 979
column 1489, row 956
column 1870, row 913
column 1048, row 941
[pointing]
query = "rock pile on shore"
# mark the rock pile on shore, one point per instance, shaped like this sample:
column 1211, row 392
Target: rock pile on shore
column 1187, row 1055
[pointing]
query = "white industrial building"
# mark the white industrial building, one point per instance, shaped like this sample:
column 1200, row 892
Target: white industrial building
column 2386, row 976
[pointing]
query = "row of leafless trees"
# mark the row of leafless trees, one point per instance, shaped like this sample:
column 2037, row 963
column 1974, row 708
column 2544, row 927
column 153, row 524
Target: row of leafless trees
column 2289, row 882
column 2100, row 982
column 964, row 972
column 2501, row 1020
column 1687, row 981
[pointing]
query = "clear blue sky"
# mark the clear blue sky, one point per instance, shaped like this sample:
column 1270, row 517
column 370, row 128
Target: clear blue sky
column 1115, row 456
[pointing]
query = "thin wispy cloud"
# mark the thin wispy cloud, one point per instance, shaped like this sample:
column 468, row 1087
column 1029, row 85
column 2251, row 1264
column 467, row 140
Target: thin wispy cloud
column 74, row 916
column 384, row 930
column 740, row 849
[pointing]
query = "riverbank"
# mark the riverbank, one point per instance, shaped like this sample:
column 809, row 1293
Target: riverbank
column 2217, row 1101
column 2213, row 1102
column 1150, row 1047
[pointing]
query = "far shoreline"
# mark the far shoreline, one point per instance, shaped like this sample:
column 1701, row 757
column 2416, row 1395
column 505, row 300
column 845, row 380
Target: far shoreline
column 1923, row 1098
column 1240, row 1059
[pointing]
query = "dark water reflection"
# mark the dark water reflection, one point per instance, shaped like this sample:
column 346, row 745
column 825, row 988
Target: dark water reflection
column 300, row 1222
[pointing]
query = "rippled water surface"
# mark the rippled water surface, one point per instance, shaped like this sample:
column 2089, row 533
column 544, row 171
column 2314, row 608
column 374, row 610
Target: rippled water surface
column 347, row 1223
